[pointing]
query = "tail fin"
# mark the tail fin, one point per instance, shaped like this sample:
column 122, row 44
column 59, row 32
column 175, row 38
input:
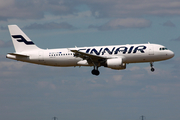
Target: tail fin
column 20, row 40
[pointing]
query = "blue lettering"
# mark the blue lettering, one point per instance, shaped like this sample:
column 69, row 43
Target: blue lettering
column 130, row 49
column 87, row 51
column 95, row 51
column 124, row 50
column 139, row 48
column 107, row 50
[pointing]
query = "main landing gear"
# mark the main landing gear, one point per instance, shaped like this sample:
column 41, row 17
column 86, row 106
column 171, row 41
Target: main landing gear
column 152, row 68
column 95, row 71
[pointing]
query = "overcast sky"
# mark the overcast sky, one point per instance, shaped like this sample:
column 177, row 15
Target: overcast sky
column 35, row 92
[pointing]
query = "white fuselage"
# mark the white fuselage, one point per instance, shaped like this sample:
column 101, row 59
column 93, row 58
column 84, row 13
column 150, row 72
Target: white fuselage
column 114, row 57
column 134, row 53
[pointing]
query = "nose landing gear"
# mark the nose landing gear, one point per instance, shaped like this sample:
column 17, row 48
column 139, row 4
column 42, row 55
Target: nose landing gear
column 152, row 68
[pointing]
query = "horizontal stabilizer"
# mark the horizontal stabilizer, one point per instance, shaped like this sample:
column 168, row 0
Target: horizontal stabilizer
column 16, row 54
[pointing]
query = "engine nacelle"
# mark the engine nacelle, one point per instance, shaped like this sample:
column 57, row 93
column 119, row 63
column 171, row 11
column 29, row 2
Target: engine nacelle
column 116, row 64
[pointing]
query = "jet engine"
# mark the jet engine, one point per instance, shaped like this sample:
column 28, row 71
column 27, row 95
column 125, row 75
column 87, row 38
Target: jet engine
column 115, row 63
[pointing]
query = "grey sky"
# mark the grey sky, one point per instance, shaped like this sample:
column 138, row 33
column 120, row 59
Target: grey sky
column 34, row 92
column 51, row 25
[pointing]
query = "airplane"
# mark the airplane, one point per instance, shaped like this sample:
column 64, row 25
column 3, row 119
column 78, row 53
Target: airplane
column 115, row 56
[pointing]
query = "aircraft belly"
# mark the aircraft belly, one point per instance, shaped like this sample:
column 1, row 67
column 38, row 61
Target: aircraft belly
column 61, row 61
column 144, row 58
column 138, row 58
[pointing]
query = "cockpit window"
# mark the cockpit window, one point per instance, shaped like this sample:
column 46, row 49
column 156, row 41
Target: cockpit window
column 163, row 49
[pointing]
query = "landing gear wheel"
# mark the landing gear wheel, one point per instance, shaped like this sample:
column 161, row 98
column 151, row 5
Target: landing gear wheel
column 152, row 69
column 95, row 72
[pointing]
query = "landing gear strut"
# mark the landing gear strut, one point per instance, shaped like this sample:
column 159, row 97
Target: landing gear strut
column 152, row 68
column 95, row 71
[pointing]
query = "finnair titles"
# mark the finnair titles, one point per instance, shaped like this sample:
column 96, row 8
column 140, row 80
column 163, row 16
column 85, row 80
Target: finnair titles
column 115, row 57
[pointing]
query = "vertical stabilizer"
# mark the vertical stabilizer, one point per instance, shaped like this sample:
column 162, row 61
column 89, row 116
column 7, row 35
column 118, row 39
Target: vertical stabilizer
column 20, row 40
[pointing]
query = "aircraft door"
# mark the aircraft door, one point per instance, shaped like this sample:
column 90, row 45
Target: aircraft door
column 40, row 56
column 151, row 50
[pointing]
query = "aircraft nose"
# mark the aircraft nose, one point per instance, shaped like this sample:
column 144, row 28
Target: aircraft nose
column 171, row 54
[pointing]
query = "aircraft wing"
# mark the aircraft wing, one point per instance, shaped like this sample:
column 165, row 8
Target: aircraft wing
column 86, row 56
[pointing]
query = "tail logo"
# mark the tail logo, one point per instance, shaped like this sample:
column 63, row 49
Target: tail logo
column 20, row 38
